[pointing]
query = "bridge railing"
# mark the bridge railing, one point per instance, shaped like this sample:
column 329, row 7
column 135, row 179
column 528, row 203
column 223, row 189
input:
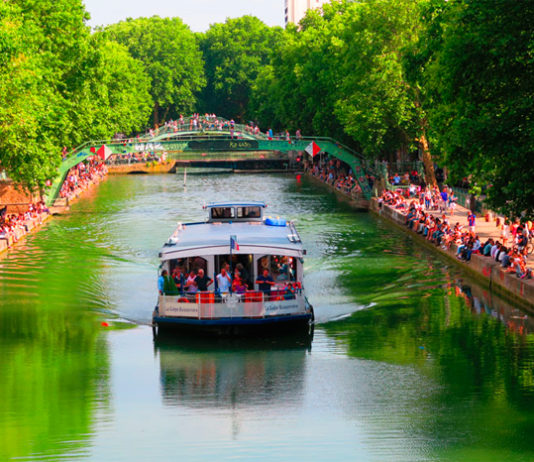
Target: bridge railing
column 212, row 125
column 357, row 162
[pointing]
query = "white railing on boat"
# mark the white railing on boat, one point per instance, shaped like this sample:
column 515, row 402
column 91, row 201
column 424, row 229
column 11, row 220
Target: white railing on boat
column 205, row 306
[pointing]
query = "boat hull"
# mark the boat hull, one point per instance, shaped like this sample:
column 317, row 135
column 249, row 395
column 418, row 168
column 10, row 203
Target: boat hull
column 273, row 325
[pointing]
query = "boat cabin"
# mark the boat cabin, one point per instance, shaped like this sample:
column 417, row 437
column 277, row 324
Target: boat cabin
column 225, row 212
column 236, row 239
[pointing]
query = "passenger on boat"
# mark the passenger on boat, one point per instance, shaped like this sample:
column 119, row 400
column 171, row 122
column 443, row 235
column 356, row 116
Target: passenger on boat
column 290, row 291
column 191, row 287
column 243, row 273
column 177, row 277
column 161, row 281
column 202, row 282
column 265, row 282
column 224, row 281
column 238, row 286
column 284, row 270
column 166, row 284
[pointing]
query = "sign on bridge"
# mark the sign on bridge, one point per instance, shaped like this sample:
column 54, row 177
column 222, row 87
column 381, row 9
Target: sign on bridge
column 223, row 145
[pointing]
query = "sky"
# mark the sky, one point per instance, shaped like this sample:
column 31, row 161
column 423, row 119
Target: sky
column 198, row 14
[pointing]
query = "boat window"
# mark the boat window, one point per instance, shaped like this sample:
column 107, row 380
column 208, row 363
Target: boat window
column 242, row 262
column 281, row 268
column 222, row 212
column 248, row 212
column 186, row 265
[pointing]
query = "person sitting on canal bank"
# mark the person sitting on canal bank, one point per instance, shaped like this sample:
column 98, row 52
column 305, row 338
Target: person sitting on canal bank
column 224, row 281
column 265, row 282
column 522, row 241
column 487, row 248
column 202, row 281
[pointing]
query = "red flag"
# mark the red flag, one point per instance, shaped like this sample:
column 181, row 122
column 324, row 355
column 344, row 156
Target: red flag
column 104, row 152
column 313, row 149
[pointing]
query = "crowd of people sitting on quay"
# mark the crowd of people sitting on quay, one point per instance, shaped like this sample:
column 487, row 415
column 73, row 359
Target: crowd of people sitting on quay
column 81, row 176
column 337, row 174
column 14, row 225
column 418, row 208
column 188, row 284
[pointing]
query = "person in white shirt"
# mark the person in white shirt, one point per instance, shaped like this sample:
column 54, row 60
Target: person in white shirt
column 224, row 281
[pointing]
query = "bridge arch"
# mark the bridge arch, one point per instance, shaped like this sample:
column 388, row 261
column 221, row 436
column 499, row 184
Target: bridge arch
column 201, row 142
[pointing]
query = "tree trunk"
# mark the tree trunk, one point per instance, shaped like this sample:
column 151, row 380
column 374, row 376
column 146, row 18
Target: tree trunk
column 156, row 114
column 166, row 113
column 430, row 176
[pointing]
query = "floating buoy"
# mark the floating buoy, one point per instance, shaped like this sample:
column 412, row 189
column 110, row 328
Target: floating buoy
column 299, row 176
column 105, row 324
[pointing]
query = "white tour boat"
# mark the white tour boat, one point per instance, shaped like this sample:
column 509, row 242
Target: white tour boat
column 235, row 273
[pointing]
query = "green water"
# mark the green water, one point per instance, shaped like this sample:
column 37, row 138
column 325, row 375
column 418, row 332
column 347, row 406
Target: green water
column 410, row 361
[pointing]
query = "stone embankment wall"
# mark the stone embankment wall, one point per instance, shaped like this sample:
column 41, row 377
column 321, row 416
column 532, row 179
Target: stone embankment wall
column 141, row 167
column 357, row 202
column 16, row 198
column 484, row 269
column 30, row 225
column 17, row 201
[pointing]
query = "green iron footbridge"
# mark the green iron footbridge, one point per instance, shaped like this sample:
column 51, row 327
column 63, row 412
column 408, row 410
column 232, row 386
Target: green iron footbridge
column 194, row 145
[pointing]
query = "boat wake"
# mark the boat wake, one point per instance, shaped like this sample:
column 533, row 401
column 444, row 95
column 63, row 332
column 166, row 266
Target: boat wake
column 326, row 314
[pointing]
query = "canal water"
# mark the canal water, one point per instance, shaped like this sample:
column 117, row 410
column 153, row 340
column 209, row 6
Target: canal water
column 410, row 361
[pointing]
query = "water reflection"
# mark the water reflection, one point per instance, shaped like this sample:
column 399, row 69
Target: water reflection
column 423, row 364
column 483, row 302
column 221, row 372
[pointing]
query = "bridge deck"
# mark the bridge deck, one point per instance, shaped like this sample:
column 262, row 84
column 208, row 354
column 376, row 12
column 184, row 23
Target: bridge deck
column 198, row 146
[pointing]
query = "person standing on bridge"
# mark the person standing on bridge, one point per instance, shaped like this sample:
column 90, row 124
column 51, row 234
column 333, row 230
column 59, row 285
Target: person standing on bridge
column 298, row 134
column 270, row 133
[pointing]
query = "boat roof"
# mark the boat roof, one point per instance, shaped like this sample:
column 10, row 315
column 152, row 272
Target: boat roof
column 198, row 239
column 235, row 204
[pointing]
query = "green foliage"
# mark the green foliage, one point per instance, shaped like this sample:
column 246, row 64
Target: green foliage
column 60, row 85
column 171, row 56
column 40, row 43
column 381, row 75
column 235, row 53
column 377, row 105
column 113, row 94
column 341, row 75
column 483, row 74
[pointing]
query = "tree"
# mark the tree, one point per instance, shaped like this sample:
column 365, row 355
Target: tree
column 171, row 56
column 483, row 120
column 60, row 85
column 113, row 95
column 380, row 108
column 235, row 52
column 40, row 46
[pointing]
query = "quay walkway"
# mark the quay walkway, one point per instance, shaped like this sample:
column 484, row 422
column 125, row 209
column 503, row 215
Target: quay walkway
column 485, row 269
